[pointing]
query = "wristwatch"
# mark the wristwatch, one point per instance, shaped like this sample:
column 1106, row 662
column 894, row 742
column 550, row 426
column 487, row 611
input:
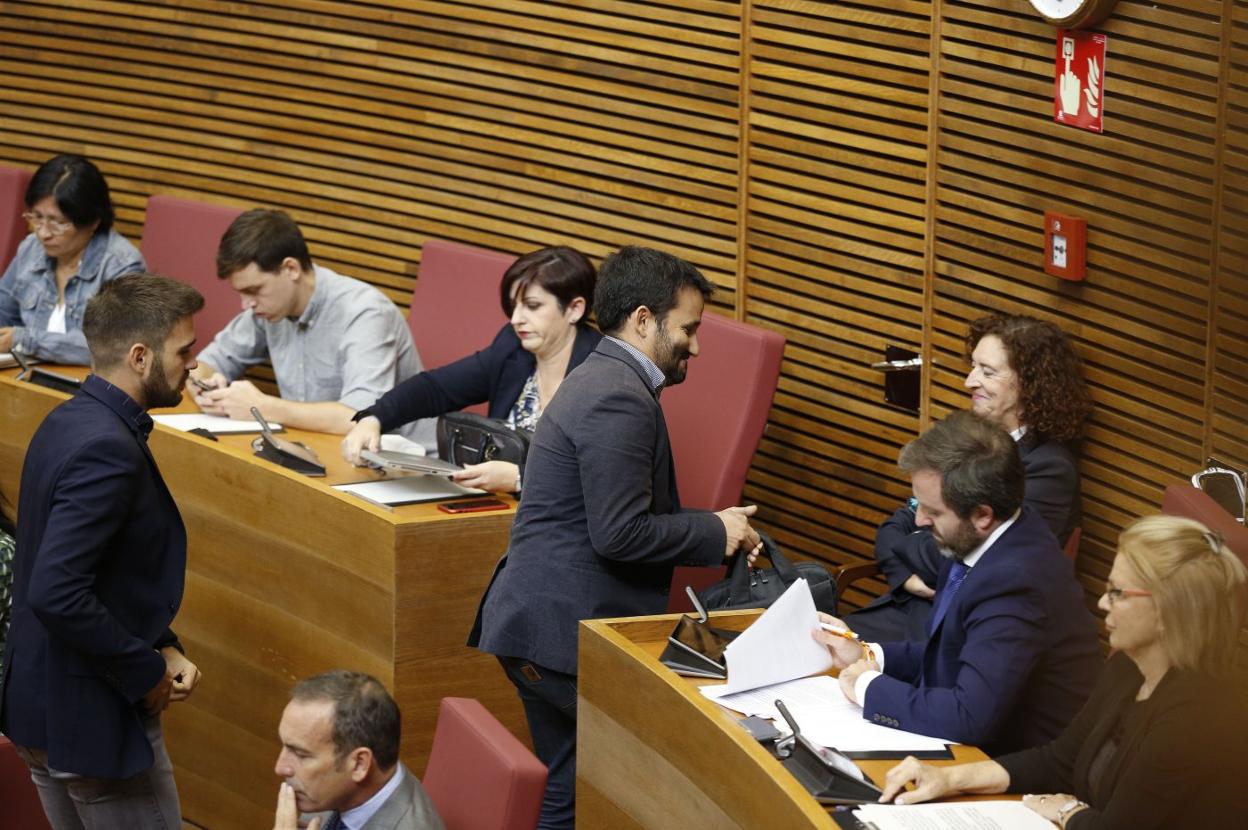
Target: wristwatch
column 1066, row 809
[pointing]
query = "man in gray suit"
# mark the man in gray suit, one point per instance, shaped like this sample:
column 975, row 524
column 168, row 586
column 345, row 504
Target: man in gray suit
column 600, row 527
column 340, row 755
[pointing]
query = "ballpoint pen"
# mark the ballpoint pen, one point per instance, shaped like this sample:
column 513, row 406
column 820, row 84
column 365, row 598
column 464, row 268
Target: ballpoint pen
column 867, row 654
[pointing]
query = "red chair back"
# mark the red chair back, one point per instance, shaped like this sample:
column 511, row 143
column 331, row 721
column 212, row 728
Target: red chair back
column 455, row 308
column 180, row 239
column 13, row 183
column 19, row 800
column 717, row 416
column 480, row 777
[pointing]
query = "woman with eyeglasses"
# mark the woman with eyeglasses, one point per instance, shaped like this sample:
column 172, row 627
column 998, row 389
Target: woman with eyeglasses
column 1160, row 742
column 71, row 252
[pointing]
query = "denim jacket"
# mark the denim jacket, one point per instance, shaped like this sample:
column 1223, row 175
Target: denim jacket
column 28, row 295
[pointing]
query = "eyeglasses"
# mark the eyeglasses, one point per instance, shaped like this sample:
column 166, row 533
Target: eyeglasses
column 1115, row 595
column 36, row 220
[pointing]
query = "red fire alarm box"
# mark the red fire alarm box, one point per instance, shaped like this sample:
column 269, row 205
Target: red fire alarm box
column 1065, row 246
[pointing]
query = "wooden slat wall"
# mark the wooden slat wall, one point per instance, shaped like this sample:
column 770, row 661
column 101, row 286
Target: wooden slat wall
column 508, row 125
column 835, row 232
column 1147, row 188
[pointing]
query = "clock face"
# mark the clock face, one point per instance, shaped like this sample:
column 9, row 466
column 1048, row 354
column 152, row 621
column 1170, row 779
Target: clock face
column 1074, row 14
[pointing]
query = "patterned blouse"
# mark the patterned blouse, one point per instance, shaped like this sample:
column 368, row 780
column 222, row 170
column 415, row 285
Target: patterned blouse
column 528, row 407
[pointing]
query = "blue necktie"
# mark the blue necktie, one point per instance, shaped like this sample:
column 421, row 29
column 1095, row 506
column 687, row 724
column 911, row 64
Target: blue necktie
column 957, row 574
column 334, row 822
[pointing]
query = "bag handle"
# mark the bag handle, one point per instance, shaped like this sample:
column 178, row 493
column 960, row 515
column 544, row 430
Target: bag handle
column 739, row 572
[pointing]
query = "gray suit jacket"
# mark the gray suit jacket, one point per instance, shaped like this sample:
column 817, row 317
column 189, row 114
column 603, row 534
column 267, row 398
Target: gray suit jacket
column 600, row 526
column 408, row 809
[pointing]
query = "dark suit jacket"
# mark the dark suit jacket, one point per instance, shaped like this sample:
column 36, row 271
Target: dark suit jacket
column 1179, row 760
column 1012, row 661
column 496, row 374
column 600, row 527
column 101, row 560
column 903, row 548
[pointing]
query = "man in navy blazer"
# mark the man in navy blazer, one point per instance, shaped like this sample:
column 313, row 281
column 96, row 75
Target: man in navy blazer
column 600, row 527
column 101, row 560
column 1011, row 653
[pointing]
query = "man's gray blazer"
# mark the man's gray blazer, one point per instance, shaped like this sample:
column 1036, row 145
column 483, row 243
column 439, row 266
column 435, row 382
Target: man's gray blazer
column 600, row 527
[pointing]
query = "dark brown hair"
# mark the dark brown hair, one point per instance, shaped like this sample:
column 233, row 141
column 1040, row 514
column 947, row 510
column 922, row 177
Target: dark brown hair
column 365, row 715
column 977, row 460
column 1053, row 398
column 137, row 308
column 564, row 272
column 265, row 237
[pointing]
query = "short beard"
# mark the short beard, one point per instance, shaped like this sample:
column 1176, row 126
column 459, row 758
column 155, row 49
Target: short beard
column 964, row 540
column 156, row 388
column 668, row 360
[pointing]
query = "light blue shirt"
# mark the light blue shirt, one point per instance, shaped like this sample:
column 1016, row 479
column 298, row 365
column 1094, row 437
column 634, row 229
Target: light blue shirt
column 653, row 373
column 28, row 295
column 357, row 817
column 350, row 345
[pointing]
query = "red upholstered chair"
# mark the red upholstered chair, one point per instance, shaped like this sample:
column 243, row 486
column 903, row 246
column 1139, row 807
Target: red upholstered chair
column 13, row 183
column 455, row 308
column 480, row 776
column 19, row 801
column 180, row 239
column 715, row 420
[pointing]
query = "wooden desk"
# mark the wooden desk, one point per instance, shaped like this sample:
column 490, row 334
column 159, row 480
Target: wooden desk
column 287, row 577
column 653, row 753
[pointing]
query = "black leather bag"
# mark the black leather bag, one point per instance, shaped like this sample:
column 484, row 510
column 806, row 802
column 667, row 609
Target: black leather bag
column 748, row 587
column 468, row 438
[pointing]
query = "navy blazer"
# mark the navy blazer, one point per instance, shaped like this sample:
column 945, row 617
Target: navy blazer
column 600, row 527
column 496, row 374
column 101, row 562
column 903, row 548
column 1011, row 662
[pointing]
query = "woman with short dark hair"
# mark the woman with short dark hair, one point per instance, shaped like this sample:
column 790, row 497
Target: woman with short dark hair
column 71, row 252
column 548, row 295
column 1160, row 741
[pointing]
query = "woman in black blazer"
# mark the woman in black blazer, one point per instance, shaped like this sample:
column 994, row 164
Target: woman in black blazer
column 548, row 296
column 1160, row 742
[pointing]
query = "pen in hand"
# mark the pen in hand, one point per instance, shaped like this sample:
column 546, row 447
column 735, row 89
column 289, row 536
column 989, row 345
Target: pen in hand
column 867, row 654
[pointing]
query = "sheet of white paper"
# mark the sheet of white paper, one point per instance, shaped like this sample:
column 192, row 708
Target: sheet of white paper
column 7, row 360
column 959, row 815
column 825, row 716
column 397, row 443
column 778, row 646
column 408, row 490
column 216, row 424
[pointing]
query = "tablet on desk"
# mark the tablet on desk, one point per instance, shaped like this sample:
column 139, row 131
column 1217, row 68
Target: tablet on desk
column 408, row 463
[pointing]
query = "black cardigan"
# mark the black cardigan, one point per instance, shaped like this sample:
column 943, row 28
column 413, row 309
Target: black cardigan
column 1178, row 764
column 496, row 374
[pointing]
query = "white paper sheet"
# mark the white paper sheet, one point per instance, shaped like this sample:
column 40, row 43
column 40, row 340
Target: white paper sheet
column 778, row 646
column 216, row 424
column 7, row 360
column 958, row 815
column 825, row 715
column 407, row 490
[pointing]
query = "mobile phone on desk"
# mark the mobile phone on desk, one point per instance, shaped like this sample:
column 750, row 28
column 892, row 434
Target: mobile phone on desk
column 472, row 505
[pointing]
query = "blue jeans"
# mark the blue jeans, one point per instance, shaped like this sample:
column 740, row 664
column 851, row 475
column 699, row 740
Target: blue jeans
column 549, row 699
column 147, row 801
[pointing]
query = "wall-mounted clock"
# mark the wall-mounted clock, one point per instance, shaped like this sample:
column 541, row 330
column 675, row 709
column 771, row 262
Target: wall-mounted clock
column 1074, row 14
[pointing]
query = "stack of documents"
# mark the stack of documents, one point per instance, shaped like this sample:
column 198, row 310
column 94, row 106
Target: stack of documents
column 980, row 815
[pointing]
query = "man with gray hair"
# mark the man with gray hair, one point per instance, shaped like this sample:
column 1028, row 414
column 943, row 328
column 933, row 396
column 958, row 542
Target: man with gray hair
column 1011, row 652
column 340, row 754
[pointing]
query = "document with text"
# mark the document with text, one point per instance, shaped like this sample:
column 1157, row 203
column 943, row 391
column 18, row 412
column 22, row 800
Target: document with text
column 960, row 815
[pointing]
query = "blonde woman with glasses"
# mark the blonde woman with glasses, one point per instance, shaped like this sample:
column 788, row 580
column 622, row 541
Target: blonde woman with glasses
column 72, row 250
column 1161, row 741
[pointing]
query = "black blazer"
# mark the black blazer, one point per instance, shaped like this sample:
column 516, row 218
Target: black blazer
column 496, row 374
column 600, row 527
column 1179, row 761
column 101, row 561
